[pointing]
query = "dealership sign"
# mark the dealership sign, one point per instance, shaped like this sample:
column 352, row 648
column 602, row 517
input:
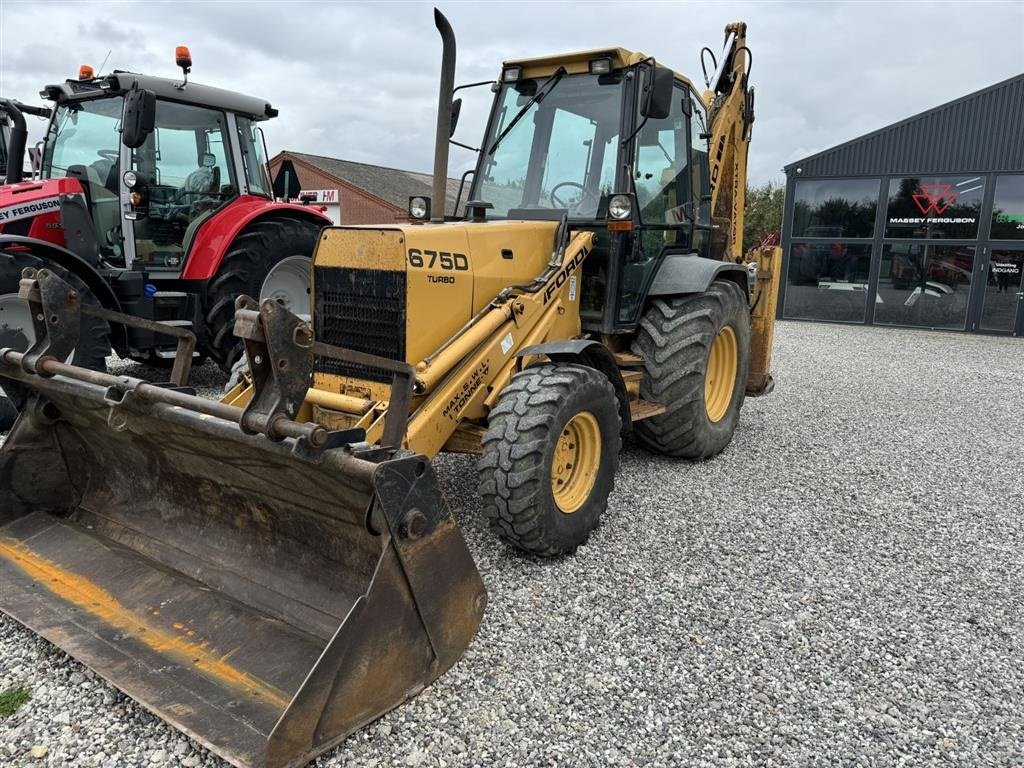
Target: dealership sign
column 318, row 195
column 933, row 200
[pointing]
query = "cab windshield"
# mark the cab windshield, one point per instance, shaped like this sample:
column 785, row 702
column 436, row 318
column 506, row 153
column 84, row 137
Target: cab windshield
column 85, row 134
column 84, row 142
column 562, row 152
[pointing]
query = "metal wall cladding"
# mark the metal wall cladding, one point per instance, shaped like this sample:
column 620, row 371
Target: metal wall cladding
column 983, row 131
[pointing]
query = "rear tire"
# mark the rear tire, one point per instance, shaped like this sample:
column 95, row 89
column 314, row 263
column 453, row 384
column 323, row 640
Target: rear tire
column 17, row 333
column 550, row 456
column 252, row 255
column 676, row 337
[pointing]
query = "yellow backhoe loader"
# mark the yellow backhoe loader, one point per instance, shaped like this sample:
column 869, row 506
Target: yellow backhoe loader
column 273, row 571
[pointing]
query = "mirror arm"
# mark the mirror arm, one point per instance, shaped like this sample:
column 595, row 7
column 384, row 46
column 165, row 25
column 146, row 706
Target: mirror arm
column 474, row 85
column 464, row 146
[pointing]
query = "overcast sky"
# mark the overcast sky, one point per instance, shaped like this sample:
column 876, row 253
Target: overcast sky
column 358, row 80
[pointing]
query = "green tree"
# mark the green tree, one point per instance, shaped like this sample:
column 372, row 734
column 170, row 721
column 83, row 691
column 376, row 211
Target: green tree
column 765, row 204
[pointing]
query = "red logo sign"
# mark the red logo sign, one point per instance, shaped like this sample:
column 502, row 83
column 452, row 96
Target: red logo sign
column 935, row 197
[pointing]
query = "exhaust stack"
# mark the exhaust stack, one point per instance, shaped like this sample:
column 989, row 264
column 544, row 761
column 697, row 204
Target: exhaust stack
column 444, row 117
column 19, row 136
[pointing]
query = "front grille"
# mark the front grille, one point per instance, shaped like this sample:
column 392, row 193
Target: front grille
column 360, row 309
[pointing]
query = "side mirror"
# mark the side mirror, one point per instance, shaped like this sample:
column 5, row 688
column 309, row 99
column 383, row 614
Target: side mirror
column 139, row 117
column 658, row 102
column 456, row 109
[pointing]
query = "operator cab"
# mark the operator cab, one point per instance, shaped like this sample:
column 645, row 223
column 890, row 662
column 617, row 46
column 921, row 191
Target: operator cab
column 146, row 202
column 573, row 135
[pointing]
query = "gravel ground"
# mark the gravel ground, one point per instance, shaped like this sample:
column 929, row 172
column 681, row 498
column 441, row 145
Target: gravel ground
column 841, row 587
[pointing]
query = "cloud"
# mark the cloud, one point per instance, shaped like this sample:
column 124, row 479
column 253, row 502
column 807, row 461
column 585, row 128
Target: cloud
column 358, row 81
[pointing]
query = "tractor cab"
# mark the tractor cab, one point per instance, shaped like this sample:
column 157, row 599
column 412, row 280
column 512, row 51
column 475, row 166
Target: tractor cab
column 155, row 202
column 616, row 144
column 193, row 150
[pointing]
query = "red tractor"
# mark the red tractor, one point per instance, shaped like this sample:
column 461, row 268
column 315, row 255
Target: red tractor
column 154, row 200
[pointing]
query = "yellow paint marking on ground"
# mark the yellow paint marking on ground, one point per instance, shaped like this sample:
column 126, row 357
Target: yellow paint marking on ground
column 97, row 601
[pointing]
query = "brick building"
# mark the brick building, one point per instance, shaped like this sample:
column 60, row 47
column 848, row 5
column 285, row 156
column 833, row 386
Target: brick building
column 359, row 193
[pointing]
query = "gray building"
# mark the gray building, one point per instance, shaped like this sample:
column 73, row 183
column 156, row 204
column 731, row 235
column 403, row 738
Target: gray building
column 918, row 224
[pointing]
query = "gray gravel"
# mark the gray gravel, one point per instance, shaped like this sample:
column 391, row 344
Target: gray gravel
column 842, row 587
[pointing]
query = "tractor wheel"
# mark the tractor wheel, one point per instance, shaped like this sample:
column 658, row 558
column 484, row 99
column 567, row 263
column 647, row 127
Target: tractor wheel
column 16, row 330
column 269, row 259
column 550, row 455
column 696, row 350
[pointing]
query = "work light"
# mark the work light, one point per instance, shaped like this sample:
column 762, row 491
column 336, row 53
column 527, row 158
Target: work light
column 620, row 207
column 511, row 74
column 419, row 207
column 600, row 66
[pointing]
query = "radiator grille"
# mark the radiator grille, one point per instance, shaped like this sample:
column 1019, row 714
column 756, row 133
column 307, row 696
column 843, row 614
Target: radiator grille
column 360, row 309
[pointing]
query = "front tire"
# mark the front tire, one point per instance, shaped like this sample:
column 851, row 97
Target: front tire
column 550, row 455
column 251, row 257
column 696, row 352
column 16, row 331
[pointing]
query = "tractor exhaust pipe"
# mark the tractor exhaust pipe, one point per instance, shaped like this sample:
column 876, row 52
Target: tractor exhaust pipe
column 19, row 137
column 444, row 117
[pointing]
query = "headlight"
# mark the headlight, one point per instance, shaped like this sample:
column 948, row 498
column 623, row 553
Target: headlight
column 130, row 179
column 419, row 207
column 620, row 207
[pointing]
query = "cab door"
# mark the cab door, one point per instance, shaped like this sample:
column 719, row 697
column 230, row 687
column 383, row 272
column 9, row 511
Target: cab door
column 669, row 187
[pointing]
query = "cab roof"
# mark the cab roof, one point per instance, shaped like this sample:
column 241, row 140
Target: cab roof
column 166, row 89
column 577, row 62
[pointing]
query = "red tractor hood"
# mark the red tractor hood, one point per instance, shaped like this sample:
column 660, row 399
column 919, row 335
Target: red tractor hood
column 32, row 208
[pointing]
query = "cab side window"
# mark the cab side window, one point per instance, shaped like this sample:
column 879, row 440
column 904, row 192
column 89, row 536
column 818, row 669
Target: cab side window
column 662, row 175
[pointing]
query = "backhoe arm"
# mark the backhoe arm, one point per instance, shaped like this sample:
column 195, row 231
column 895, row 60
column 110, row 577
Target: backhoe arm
column 730, row 104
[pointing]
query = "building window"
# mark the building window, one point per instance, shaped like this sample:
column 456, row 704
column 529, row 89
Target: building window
column 828, row 281
column 835, row 208
column 935, row 207
column 925, row 285
column 1008, row 209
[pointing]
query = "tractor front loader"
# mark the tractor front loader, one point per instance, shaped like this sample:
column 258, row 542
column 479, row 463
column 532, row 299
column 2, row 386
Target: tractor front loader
column 274, row 570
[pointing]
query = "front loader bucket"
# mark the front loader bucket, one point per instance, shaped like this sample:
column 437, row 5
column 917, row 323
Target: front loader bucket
column 266, row 598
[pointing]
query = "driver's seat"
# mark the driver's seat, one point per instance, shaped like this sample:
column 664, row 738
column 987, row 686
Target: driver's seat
column 202, row 181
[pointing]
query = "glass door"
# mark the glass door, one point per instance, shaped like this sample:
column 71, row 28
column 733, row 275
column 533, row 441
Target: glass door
column 1002, row 308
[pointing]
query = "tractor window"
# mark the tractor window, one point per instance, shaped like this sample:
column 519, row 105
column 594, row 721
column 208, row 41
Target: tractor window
column 84, row 136
column 250, row 138
column 84, row 143
column 562, row 152
column 186, row 166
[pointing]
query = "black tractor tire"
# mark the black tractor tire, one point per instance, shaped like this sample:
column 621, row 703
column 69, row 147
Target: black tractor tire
column 675, row 338
column 246, row 264
column 531, row 417
column 94, row 335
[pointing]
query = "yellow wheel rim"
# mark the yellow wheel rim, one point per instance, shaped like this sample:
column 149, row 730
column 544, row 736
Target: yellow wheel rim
column 576, row 462
column 720, row 378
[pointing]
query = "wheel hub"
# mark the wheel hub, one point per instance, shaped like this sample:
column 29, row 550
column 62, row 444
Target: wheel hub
column 576, row 461
column 15, row 323
column 720, row 377
column 288, row 284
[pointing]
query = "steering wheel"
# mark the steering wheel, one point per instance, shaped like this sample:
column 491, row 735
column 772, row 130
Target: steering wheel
column 109, row 154
column 558, row 203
